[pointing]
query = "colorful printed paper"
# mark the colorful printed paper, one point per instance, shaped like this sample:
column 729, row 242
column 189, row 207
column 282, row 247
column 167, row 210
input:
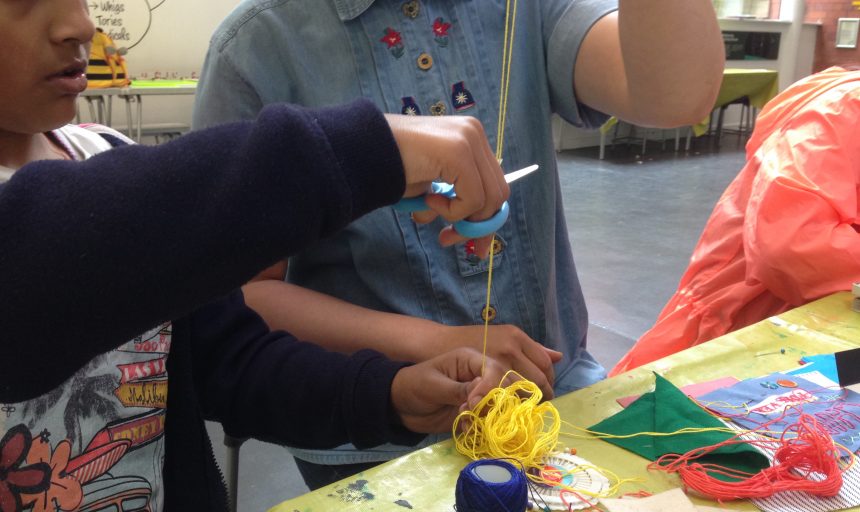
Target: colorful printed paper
column 754, row 402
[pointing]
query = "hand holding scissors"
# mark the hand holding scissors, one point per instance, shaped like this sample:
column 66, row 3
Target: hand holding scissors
column 455, row 150
column 466, row 228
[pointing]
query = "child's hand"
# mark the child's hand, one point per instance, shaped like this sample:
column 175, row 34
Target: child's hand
column 452, row 149
column 429, row 395
column 509, row 346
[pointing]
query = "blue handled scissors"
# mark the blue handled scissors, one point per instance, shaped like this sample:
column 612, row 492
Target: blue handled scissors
column 466, row 228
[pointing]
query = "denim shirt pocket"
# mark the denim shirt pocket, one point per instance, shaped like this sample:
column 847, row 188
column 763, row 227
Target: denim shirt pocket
column 470, row 264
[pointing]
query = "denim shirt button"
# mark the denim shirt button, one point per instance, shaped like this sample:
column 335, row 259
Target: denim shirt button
column 425, row 61
column 411, row 9
column 488, row 314
column 437, row 109
column 498, row 246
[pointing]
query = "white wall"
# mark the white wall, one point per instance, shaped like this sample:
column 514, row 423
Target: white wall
column 168, row 37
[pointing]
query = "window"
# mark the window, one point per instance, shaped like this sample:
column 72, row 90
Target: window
column 846, row 32
column 760, row 9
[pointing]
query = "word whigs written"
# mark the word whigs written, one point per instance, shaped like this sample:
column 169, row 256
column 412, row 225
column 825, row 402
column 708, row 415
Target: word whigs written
column 125, row 21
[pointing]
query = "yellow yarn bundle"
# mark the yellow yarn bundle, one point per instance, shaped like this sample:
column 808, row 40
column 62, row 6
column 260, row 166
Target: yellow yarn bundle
column 509, row 423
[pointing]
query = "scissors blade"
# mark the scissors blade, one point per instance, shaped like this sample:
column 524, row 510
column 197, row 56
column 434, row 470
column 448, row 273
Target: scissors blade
column 514, row 176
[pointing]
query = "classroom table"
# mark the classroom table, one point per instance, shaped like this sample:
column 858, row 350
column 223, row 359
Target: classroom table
column 425, row 480
column 757, row 85
column 100, row 100
column 100, row 103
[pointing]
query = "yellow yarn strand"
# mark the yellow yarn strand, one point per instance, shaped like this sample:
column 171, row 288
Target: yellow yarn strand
column 486, row 313
column 614, row 487
column 507, row 53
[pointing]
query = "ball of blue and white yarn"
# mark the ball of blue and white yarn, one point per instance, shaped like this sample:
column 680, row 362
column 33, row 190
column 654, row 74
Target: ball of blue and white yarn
column 491, row 485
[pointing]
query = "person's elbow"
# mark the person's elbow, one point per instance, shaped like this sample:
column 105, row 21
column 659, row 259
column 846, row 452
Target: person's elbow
column 685, row 102
column 684, row 112
column 678, row 92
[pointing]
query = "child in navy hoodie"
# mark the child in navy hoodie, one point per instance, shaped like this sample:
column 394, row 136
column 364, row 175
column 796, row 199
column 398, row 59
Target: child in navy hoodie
column 121, row 324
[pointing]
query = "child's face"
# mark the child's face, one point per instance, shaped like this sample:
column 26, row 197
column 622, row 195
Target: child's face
column 44, row 45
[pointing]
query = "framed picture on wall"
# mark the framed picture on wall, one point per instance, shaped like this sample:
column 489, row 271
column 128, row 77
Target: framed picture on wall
column 846, row 32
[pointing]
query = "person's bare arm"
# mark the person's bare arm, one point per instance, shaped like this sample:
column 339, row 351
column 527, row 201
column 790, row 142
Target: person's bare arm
column 653, row 62
column 343, row 327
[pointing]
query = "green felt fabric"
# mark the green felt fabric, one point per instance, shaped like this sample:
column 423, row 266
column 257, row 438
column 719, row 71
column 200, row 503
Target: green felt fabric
column 668, row 409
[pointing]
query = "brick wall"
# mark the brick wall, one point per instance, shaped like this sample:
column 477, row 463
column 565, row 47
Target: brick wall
column 827, row 12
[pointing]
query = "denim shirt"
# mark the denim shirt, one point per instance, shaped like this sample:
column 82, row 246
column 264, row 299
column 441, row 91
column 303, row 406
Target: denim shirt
column 428, row 57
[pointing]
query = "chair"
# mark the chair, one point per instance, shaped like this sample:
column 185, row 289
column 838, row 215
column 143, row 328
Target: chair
column 628, row 138
column 614, row 123
column 746, row 123
column 689, row 130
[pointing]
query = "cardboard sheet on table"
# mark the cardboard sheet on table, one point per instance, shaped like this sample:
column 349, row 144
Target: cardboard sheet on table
column 674, row 500
column 694, row 390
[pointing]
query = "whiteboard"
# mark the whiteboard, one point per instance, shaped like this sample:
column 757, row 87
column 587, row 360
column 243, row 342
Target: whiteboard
column 168, row 37
column 164, row 38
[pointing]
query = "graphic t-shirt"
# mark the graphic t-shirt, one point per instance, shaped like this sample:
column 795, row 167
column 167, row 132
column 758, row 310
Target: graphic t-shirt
column 97, row 441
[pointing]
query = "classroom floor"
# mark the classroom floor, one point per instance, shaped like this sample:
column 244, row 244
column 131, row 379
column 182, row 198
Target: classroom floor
column 633, row 222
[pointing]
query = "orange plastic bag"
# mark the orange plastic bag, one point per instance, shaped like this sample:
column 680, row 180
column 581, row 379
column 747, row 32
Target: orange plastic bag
column 785, row 231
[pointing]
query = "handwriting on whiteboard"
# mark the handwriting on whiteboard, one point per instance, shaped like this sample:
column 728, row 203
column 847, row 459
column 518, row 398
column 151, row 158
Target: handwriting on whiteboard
column 125, row 21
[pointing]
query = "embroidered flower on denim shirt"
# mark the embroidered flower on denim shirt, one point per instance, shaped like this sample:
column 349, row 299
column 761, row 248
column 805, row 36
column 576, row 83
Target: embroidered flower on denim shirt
column 16, row 479
column 394, row 40
column 471, row 253
column 470, row 247
column 440, row 31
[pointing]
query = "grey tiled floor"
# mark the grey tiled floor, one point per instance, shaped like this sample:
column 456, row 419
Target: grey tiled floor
column 633, row 222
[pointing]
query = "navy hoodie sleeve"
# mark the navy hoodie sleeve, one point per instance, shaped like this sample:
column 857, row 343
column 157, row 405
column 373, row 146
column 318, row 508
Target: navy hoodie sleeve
column 93, row 253
column 272, row 387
